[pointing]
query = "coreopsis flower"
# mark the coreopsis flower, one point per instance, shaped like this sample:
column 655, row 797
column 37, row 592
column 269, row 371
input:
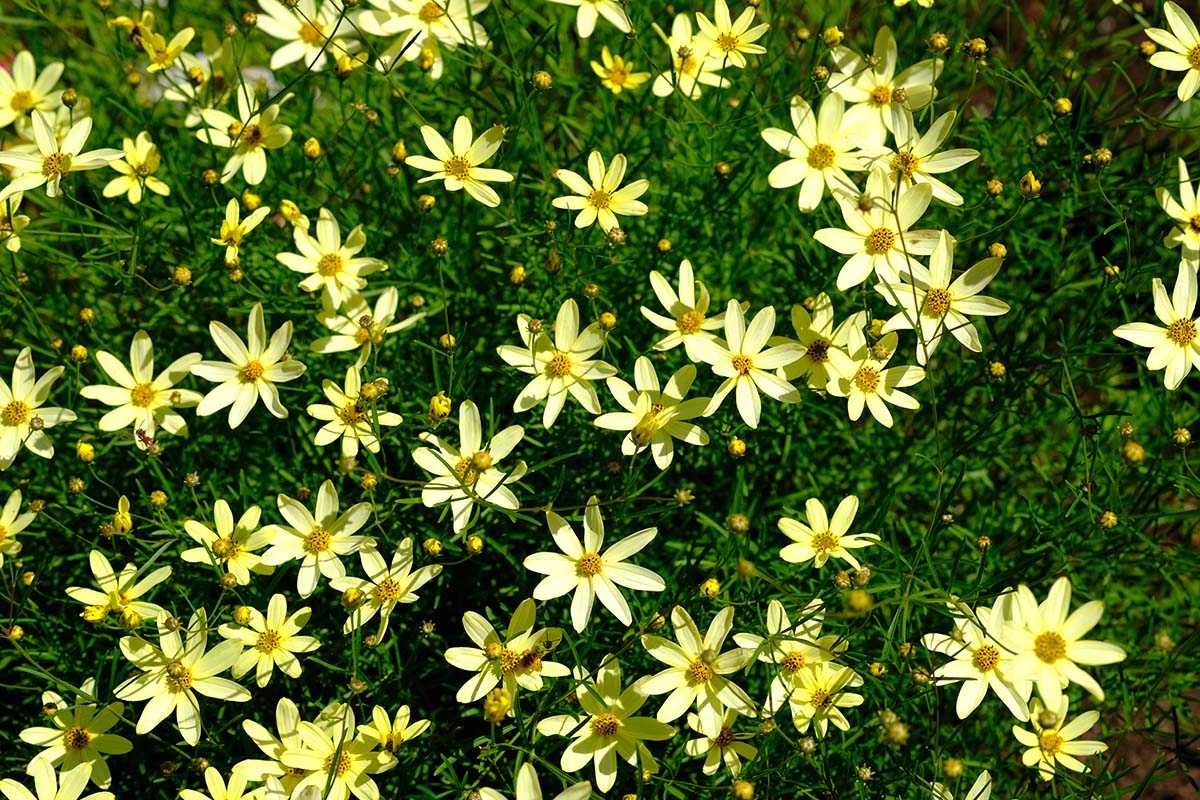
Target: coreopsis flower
column 253, row 369
column 271, row 641
column 389, row 733
column 119, row 592
column 600, row 196
column 458, row 163
column 981, row 789
column 423, row 29
column 468, row 475
column 876, row 91
column 137, row 170
column 80, row 733
column 218, row 789
column 616, row 74
column 1185, row 211
column 609, row 730
column 12, row 223
column 691, row 63
column 161, row 52
column 53, row 161
column 23, row 419
column 726, row 747
column 981, row 660
column 934, row 302
column 820, row 695
column 339, row 763
column 141, row 400
column 819, row 152
column 696, row 670
column 287, row 722
column 529, row 788
column 744, row 364
column 560, row 367
column 175, row 671
column 12, row 522
column 816, row 333
column 249, row 135
column 1054, row 742
column 351, row 418
column 822, row 538
column 915, row 158
column 590, row 573
column 728, row 40
column 865, row 380
column 878, row 237
column 317, row 542
column 190, row 83
column 1175, row 347
column 23, row 90
column 515, row 660
column 232, row 546
column 48, row 784
column 356, row 326
column 655, row 416
column 385, row 587
column 592, row 10
column 687, row 310
column 234, row 229
column 1183, row 49
column 1047, row 639
column 312, row 34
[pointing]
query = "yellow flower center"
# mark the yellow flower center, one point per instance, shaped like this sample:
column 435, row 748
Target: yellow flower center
column 22, row 101
column 250, row 372
column 1049, row 646
column 3, row 534
column 1194, row 223
column 559, row 366
column 689, row 322
column 317, row 541
column 937, row 302
column 880, row 240
column 793, row 662
column 457, row 167
column 15, row 413
column 881, row 95
column 77, row 738
column 986, row 658
column 388, row 591
column 1182, row 332
column 687, row 63
column 512, row 662
column 867, row 379
column 598, row 199
column 465, row 470
column 352, row 413
column 1193, row 57
column 606, row 724
column 818, row 351
column 312, row 32
column 226, row 549
column 252, row 135
column 724, row 738
column 728, row 43
column 820, row 156
column 343, row 764
column 589, row 564
column 179, row 677
column 430, row 12
column 699, row 672
column 1050, row 743
column 821, row 699
column 143, row 395
column 618, row 73
column 268, row 641
column 56, row 164
column 330, row 264
column 905, row 163
column 743, row 364
column 824, row 542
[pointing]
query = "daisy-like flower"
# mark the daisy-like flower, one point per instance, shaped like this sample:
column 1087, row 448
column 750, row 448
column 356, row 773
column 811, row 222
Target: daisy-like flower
column 726, row 747
column 389, row 733
column 141, row 400
column 816, row 333
column 423, row 29
column 591, row 10
column 981, row 660
column 161, row 52
column 655, row 416
column 271, row 641
column 934, row 302
column 610, row 730
column 876, row 91
column 561, row 367
column 249, row 135
column 218, row 789
column 589, row 572
column 48, row 785
column 743, row 363
column 385, row 586
column 516, row 660
column 23, row 420
column 915, row 158
column 600, row 196
column 616, row 74
column 12, row 223
column 687, row 310
column 287, row 722
column 251, row 372
column 691, row 63
column 980, row 790
column 529, row 788
column 338, row 762
column 822, row 538
column 351, row 418
column 80, row 733
column 175, row 671
column 696, row 670
column 311, row 34
column 24, row 90
column 1175, row 347
column 467, row 475
column 1185, row 211
column 1054, row 741
column 1049, row 645
column 231, row 546
column 728, row 40
column 818, row 153
column 53, row 161
column 12, row 522
column 119, row 592
column 137, row 170
column 458, row 165
column 820, row 695
column 317, row 542
column 1183, row 44
column 873, row 241
column 356, row 326
column 234, row 229
column 863, row 378
column 330, row 265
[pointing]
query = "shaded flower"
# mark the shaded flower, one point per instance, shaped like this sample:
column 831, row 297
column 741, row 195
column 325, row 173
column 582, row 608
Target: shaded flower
column 1054, row 742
